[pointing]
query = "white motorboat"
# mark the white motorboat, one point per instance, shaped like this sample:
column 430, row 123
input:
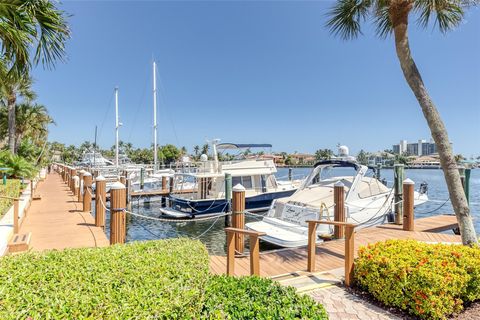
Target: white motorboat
column 367, row 202
column 94, row 159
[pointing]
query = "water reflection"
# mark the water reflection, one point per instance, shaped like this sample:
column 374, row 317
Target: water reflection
column 139, row 229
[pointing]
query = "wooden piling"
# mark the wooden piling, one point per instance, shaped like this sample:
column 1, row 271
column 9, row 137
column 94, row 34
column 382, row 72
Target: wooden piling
column 311, row 246
column 117, row 213
column 15, row 215
column 87, row 192
column 76, row 184
column 72, row 180
column 408, row 200
column 80, row 185
column 230, row 253
column 142, row 178
column 238, row 216
column 100, row 201
column 164, row 183
column 339, row 209
column 349, row 253
column 398, row 192
column 170, row 185
column 466, row 185
column 228, row 198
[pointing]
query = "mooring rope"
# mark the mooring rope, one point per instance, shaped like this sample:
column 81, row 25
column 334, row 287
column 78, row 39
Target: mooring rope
column 175, row 219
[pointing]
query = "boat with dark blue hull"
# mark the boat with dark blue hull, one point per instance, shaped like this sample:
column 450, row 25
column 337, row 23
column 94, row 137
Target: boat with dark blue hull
column 203, row 190
column 209, row 207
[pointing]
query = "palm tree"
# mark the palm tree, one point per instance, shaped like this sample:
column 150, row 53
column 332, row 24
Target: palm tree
column 27, row 23
column 205, row 148
column 12, row 87
column 392, row 16
column 31, row 121
column 196, row 150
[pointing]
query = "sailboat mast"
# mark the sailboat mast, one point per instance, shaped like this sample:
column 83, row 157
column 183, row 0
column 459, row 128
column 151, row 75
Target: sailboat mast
column 154, row 116
column 116, row 126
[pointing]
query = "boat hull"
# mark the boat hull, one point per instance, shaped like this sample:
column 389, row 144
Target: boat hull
column 209, row 207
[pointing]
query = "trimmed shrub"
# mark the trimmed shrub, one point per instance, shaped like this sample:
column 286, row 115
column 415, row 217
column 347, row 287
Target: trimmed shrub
column 256, row 298
column 11, row 189
column 143, row 280
column 430, row 281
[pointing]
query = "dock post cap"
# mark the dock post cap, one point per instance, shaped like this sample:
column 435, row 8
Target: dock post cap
column 87, row 174
column 238, row 188
column 408, row 181
column 100, row 178
column 82, row 171
column 339, row 184
column 117, row 186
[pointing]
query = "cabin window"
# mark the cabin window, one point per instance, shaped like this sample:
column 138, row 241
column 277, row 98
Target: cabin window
column 246, row 182
column 236, row 180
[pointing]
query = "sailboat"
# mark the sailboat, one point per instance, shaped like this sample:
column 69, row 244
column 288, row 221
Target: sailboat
column 153, row 182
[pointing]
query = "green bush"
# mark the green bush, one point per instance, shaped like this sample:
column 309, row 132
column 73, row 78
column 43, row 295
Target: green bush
column 155, row 279
column 165, row 279
column 430, row 281
column 11, row 189
column 256, row 298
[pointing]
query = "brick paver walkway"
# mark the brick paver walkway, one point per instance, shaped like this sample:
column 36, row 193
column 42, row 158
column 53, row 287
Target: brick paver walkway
column 342, row 305
column 57, row 221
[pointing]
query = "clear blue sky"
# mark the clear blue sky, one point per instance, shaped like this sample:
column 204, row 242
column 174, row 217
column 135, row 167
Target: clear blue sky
column 254, row 72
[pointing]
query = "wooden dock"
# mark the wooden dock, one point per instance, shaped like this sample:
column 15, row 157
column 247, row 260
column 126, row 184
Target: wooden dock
column 57, row 221
column 330, row 254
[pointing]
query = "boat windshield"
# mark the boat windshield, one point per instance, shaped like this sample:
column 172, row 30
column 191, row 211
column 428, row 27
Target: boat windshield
column 328, row 173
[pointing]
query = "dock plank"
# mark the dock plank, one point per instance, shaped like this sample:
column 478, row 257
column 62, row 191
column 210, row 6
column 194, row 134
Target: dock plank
column 330, row 254
column 57, row 221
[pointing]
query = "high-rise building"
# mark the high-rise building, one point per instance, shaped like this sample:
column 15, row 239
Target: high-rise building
column 419, row 148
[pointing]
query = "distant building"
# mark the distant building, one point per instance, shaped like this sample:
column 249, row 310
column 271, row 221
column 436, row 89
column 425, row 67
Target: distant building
column 419, row 148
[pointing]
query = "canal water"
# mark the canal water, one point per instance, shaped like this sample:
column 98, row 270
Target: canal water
column 211, row 233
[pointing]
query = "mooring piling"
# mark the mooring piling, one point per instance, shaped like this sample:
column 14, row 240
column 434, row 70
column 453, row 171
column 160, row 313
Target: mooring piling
column 117, row 213
column 399, row 173
column 100, row 200
column 408, row 201
column 339, row 209
column 238, row 216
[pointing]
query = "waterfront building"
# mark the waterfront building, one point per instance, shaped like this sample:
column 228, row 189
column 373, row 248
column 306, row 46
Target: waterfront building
column 419, row 148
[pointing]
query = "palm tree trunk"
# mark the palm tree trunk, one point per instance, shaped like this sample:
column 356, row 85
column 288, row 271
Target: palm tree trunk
column 11, row 122
column 399, row 18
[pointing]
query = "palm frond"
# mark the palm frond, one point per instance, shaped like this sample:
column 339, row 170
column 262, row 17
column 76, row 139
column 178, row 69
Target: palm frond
column 52, row 31
column 381, row 19
column 447, row 14
column 346, row 17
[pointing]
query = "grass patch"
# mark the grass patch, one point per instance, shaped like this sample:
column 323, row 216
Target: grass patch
column 430, row 281
column 11, row 189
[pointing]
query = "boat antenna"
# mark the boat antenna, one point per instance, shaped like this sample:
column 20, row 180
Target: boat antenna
column 117, row 125
column 154, row 117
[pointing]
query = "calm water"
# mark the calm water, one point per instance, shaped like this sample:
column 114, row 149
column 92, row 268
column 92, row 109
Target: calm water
column 214, row 238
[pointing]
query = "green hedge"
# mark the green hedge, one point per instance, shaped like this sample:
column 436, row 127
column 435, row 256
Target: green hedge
column 256, row 298
column 11, row 189
column 165, row 279
column 155, row 279
column 430, row 281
